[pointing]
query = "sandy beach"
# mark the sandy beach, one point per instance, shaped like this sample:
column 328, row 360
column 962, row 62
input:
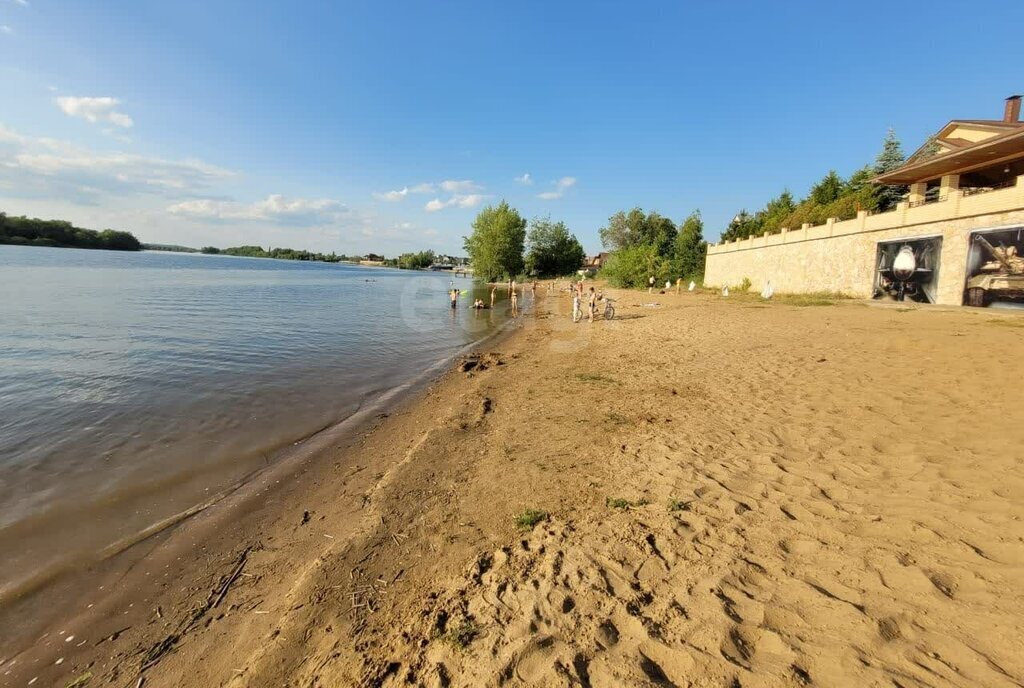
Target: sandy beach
column 702, row 492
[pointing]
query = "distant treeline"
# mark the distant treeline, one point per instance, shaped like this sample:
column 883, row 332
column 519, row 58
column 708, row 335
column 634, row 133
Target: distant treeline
column 279, row 253
column 408, row 261
column 31, row 231
column 173, row 248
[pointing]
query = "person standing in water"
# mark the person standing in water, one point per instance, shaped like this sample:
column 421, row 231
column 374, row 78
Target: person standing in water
column 454, row 295
column 494, row 290
column 515, row 300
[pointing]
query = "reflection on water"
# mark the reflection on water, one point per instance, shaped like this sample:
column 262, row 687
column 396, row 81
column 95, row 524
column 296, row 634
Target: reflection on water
column 132, row 385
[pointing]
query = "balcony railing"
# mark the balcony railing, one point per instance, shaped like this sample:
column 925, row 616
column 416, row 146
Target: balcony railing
column 928, row 201
column 973, row 191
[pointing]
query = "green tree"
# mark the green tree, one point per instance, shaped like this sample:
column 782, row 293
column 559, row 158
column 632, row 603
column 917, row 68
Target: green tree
column 496, row 245
column 416, row 261
column 631, row 267
column 637, row 228
column 623, row 230
column 890, row 158
column 742, row 225
column 690, row 248
column 829, row 189
column 778, row 210
column 551, row 250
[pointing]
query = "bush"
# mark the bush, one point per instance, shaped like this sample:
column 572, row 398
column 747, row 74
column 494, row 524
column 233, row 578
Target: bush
column 631, row 267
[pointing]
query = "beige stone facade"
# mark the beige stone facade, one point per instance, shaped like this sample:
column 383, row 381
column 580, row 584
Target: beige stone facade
column 840, row 256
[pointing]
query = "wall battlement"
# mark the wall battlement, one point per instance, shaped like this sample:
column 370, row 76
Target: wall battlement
column 840, row 256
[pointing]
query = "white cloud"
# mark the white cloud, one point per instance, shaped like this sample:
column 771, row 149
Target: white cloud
column 43, row 167
column 456, row 201
column 526, row 179
column 392, row 195
column 424, row 188
column 561, row 186
column 275, row 208
column 464, row 186
column 6, row 29
column 95, row 110
column 23, row 3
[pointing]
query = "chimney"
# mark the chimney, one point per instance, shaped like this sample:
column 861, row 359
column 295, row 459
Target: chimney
column 1012, row 111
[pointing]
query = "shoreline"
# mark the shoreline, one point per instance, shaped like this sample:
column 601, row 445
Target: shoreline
column 727, row 495
column 23, row 599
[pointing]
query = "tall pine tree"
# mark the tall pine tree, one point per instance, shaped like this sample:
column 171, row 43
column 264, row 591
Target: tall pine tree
column 888, row 160
column 690, row 247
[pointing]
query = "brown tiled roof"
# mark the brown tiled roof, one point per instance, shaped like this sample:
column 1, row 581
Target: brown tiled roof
column 989, row 122
column 1007, row 144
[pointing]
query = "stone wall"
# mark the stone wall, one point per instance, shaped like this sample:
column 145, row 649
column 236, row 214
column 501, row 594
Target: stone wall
column 840, row 256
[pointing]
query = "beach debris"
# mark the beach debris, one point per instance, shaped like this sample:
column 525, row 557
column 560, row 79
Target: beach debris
column 305, row 518
column 162, row 647
column 79, row 681
column 725, row 290
column 768, row 291
column 693, row 285
column 476, row 361
column 234, row 576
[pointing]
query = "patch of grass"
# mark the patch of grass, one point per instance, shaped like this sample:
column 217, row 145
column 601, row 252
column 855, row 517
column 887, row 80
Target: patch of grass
column 1006, row 322
column 622, row 503
column 462, row 634
column 80, row 681
column 615, row 418
column 594, row 377
column 678, row 505
column 817, row 298
column 531, row 517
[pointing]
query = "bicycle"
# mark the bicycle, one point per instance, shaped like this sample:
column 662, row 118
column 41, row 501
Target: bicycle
column 609, row 308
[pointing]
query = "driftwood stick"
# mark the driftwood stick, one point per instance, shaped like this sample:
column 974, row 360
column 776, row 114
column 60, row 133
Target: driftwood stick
column 233, row 578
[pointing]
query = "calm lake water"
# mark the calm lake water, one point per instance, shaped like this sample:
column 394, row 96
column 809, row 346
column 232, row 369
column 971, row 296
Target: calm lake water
column 135, row 385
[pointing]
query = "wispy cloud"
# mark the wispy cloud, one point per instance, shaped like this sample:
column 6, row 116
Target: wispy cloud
column 463, row 194
column 525, row 179
column 561, row 186
column 275, row 208
column 6, row 29
column 456, row 201
column 95, row 110
column 23, row 3
column 400, row 194
column 33, row 167
column 392, row 195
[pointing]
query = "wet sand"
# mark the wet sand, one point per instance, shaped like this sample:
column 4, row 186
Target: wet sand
column 738, row 494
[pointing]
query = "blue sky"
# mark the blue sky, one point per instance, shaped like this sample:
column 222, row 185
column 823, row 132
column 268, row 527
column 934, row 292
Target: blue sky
column 385, row 126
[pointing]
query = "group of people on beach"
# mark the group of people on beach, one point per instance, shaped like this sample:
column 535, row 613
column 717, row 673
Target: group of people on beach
column 591, row 296
column 514, row 290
